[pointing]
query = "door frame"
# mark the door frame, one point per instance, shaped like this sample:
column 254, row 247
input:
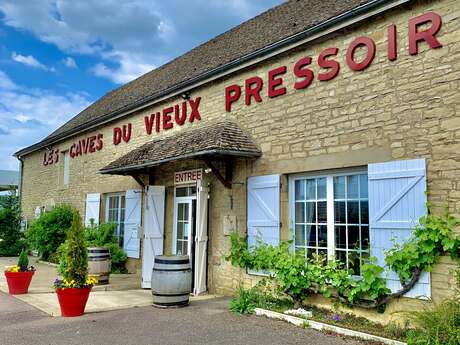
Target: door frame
column 178, row 200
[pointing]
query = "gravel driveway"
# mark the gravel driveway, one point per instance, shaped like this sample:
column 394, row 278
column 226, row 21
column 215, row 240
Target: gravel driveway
column 203, row 322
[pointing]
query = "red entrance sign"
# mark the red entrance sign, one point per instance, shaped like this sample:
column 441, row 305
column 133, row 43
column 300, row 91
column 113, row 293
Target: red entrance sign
column 188, row 176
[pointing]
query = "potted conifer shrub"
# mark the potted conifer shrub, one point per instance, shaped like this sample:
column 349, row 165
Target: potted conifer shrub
column 19, row 276
column 73, row 290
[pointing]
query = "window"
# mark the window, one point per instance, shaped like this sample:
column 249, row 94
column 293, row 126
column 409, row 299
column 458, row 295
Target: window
column 115, row 213
column 330, row 217
column 66, row 170
column 186, row 191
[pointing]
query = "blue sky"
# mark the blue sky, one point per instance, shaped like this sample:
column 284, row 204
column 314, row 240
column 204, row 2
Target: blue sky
column 59, row 56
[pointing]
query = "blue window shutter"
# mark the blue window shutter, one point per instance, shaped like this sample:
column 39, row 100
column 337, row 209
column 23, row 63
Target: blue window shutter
column 93, row 204
column 264, row 209
column 131, row 241
column 397, row 200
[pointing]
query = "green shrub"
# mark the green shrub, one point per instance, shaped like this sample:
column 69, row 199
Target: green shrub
column 48, row 232
column 119, row 257
column 265, row 294
column 246, row 302
column 23, row 261
column 11, row 237
column 75, row 253
column 102, row 235
column 438, row 326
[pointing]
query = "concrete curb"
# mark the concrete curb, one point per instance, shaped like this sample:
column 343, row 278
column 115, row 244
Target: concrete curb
column 324, row 326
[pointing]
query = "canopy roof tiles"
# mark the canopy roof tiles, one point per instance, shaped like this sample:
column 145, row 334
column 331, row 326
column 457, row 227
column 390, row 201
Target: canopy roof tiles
column 219, row 138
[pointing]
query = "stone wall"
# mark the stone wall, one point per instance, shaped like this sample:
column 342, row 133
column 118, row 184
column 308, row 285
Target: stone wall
column 403, row 109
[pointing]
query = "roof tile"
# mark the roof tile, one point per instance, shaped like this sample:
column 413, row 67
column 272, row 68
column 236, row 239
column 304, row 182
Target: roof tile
column 223, row 137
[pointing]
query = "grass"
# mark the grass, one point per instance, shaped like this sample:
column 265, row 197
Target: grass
column 257, row 297
column 392, row 330
column 439, row 325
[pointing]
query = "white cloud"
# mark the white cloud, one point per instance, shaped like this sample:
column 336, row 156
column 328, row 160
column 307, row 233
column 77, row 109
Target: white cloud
column 128, row 70
column 27, row 115
column 5, row 82
column 30, row 61
column 70, row 62
column 134, row 36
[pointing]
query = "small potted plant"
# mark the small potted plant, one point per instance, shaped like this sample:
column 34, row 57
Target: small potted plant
column 73, row 290
column 19, row 276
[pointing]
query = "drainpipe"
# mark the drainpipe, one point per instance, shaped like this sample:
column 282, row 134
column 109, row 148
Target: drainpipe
column 21, row 167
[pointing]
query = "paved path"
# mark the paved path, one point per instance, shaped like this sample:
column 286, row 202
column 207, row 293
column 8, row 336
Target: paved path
column 122, row 293
column 44, row 277
column 203, row 322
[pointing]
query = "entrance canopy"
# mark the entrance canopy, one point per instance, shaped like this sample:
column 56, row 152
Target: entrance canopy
column 218, row 139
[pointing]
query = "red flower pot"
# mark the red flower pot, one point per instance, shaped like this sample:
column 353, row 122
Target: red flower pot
column 73, row 300
column 18, row 282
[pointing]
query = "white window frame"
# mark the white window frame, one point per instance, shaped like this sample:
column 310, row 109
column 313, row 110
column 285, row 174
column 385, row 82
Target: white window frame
column 331, row 247
column 107, row 210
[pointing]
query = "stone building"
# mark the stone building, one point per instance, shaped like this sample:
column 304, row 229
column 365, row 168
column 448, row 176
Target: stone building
column 321, row 122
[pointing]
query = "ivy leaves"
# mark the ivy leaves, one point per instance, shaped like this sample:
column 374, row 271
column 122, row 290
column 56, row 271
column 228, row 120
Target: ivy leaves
column 299, row 276
column 432, row 237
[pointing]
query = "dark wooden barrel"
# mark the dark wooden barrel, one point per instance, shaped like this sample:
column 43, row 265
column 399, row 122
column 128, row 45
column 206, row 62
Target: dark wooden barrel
column 171, row 281
column 99, row 264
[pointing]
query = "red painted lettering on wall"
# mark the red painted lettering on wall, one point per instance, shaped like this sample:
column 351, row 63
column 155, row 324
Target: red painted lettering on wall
column 428, row 35
column 51, row 157
column 329, row 65
column 325, row 62
column 194, row 113
column 167, row 124
column 122, row 133
column 232, row 94
column 87, row 145
column 275, row 82
column 370, row 54
column 305, row 73
column 164, row 119
column 253, row 86
column 392, row 43
column 179, row 116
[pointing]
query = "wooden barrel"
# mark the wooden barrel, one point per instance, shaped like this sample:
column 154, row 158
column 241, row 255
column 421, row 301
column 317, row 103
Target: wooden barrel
column 171, row 281
column 99, row 264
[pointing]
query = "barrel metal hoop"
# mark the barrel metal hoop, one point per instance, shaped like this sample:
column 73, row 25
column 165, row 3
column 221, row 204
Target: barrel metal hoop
column 171, row 270
column 171, row 295
column 170, row 304
column 98, row 251
column 172, row 262
column 99, row 258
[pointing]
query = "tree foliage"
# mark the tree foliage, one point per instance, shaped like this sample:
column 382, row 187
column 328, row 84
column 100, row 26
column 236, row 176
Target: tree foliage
column 48, row 232
column 11, row 237
column 100, row 235
column 76, row 254
column 23, row 261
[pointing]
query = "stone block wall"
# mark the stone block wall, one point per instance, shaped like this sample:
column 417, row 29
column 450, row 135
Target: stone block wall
column 403, row 109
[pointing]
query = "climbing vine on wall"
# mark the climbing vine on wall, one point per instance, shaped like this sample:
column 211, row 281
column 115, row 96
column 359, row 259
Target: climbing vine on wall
column 300, row 277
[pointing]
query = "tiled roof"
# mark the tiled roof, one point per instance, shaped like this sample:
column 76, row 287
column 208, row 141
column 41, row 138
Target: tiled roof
column 270, row 27
column 221, row 138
